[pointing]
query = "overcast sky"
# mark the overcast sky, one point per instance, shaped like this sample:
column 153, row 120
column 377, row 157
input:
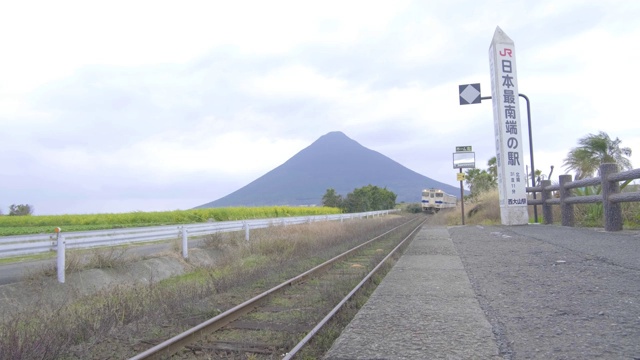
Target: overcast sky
column 115, row 106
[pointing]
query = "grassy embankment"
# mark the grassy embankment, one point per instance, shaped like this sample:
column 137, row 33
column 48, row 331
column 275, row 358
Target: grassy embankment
column 38, row 224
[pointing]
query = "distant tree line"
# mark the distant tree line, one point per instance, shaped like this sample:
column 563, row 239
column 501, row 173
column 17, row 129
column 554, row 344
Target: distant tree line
column 19, row 210
column 366, row 198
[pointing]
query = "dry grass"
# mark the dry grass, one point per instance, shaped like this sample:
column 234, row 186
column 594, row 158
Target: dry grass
column 79, row 260
column 49, row 331
column 483, row 210
column 631, row 214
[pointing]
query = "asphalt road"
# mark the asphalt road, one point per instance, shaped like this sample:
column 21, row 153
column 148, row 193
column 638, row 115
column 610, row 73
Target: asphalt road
column 551, row 292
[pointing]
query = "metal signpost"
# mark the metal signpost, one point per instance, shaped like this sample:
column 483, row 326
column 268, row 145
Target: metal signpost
column 463, row 158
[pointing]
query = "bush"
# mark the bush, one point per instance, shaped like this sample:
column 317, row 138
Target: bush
column 414, row 208
column 20, row 210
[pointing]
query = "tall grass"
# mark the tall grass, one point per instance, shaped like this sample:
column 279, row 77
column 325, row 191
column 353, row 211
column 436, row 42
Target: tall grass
column 484, row 209
column 20, row 225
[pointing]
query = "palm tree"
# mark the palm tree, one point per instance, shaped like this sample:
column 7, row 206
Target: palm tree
column 493, row 167
column 480, row 181
column 595, row 150
column 470, row 177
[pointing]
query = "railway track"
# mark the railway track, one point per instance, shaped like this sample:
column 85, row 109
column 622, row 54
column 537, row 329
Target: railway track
column 280, row 322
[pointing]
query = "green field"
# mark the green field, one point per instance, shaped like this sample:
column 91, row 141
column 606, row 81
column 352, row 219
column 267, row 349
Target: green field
column 23, row 225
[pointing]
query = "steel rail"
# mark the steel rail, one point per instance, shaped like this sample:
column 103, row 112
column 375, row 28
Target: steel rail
column 172, row 345
column 337, row 308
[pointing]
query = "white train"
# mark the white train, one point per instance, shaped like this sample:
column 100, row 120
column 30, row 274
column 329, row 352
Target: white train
column 434, row 199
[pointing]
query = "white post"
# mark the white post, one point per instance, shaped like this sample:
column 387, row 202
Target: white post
column 185, row 243
column 60, row 248
column 246, row 231
column 508, row 131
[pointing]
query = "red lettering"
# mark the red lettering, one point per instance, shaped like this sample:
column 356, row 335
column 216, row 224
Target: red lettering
column 505, row 52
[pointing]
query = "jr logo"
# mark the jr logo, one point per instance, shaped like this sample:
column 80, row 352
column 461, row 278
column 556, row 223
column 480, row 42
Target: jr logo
column 505, row 52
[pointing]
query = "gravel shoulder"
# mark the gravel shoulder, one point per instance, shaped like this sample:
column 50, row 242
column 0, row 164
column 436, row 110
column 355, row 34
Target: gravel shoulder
column 555, row 293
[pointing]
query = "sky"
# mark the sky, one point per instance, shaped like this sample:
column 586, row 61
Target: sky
column 118, row 106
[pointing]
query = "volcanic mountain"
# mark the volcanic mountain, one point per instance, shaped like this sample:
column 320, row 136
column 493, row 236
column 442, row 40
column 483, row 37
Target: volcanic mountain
column 333, row 161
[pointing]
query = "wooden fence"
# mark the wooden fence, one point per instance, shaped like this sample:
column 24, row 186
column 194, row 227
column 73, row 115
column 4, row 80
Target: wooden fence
column 610, row 196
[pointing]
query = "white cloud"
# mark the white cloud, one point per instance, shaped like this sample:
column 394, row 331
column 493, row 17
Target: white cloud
column 128, row 101
column 297, row 81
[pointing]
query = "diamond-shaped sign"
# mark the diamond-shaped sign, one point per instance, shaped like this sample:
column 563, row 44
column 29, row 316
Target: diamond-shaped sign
column 469, row 94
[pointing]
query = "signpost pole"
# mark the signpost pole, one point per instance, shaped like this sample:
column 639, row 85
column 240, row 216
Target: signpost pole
column 462, row 198
column 464, row 157
column 533, row 169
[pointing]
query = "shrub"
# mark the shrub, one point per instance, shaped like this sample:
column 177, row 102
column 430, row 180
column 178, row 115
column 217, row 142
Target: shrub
column 20, row 210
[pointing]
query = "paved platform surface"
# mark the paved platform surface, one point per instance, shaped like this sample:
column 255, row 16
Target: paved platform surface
column 498, row 292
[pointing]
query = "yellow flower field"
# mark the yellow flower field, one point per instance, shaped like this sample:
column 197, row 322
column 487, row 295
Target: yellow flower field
column 36, row 224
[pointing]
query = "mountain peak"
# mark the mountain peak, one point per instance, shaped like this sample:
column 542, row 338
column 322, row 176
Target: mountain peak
column 332, row 161
column 334, row 137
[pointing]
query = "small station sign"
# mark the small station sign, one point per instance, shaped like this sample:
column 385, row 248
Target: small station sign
column 469, row 94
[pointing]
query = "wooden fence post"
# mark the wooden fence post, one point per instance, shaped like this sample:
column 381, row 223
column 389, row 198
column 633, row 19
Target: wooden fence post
column 547, row 212
column 568, row 218
column 612, row 211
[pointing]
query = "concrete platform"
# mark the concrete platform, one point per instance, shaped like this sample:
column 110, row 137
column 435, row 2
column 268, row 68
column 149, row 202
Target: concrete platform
column 424, row 308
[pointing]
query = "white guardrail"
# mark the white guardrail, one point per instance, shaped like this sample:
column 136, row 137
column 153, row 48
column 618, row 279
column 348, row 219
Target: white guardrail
column 59, row 241
column 35, row 244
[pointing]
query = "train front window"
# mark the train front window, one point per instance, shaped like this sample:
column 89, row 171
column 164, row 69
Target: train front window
column 439, row 195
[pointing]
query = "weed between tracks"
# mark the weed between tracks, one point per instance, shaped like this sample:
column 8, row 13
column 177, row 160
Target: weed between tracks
column 123, row 320
column 322, row 342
